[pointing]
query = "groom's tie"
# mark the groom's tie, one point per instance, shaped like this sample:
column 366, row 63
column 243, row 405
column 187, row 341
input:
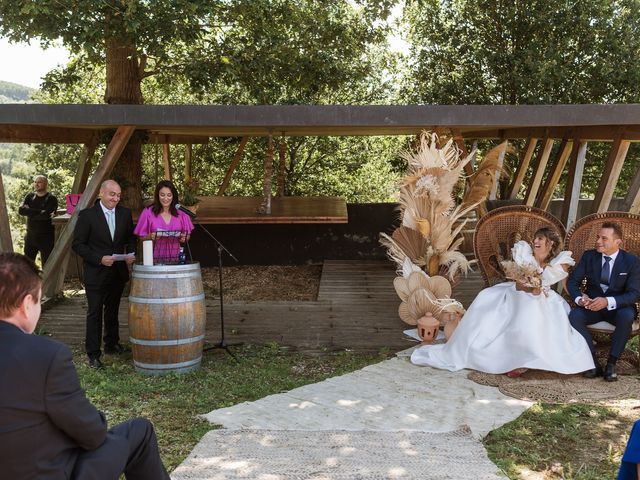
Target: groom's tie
column 606, row 272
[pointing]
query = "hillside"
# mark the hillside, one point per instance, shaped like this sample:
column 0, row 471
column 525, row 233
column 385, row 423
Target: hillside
column 14, row 93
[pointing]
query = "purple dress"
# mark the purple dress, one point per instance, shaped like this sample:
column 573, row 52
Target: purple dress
column 167, row 243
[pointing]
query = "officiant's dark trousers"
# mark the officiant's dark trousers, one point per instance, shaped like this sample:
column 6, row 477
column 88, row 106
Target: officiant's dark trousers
column 103, row 303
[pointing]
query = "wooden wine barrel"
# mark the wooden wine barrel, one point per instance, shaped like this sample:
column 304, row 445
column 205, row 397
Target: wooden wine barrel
column 166, row 318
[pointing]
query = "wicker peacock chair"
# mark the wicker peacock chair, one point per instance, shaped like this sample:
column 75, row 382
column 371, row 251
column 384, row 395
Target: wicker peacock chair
column 582, row 237
column 498, row 230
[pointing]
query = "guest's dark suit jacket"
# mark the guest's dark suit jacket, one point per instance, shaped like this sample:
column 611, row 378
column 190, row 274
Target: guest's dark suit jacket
column 45, row 418
column 92, row 241
column 624, row 282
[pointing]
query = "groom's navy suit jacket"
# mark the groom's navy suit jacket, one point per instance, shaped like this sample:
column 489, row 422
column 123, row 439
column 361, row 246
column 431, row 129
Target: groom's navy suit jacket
column 624, row 282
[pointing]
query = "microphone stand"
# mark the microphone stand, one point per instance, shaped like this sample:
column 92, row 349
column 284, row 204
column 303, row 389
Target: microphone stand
column 222, row 344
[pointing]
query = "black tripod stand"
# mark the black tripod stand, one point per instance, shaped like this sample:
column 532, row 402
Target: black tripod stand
column 222, row 344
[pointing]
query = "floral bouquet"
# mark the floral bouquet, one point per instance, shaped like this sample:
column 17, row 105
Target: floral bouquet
column 527, row 274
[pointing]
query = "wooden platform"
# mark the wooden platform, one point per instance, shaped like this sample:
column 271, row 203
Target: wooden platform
column 285, row 210
column 356, row 309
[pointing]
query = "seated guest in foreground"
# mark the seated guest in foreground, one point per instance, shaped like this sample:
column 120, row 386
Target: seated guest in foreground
column 509, row 326
column 630, row 465
column 163, row 223
column 613, row 288
column 48, row 428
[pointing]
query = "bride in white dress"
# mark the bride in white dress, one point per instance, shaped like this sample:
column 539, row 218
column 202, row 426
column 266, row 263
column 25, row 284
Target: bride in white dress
column 509, row 327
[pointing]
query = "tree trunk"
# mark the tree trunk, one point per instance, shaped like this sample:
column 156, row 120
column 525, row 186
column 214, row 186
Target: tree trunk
column 124, row 77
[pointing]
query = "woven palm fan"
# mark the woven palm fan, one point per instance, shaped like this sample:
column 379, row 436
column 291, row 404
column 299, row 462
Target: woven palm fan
column 401, row 285
column 412, row 243
column 421, row 302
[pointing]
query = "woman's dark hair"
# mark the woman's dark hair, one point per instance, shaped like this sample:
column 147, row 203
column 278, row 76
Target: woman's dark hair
column 553, row 236
column 19, row 277
column 156, row 208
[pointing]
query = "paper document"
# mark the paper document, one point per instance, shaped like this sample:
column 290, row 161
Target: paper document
column 120, row 257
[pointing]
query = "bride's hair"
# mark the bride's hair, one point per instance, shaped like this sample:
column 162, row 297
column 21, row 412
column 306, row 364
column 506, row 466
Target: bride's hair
column 556, row 242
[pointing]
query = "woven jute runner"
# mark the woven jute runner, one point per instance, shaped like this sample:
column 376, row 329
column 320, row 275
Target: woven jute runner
column 550, row 387
column 337, row 455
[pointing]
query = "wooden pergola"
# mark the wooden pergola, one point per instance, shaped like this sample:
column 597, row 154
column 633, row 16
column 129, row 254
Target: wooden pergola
column 573, row 126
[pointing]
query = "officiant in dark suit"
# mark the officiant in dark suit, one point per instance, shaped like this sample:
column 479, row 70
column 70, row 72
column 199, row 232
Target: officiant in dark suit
column 49, row 430
column 612, row 289
column 102, row 231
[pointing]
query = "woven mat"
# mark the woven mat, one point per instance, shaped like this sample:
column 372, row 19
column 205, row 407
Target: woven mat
column 336, row 455
column 540, row 386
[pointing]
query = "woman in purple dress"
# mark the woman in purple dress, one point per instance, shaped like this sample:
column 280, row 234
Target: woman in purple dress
column 163, row 223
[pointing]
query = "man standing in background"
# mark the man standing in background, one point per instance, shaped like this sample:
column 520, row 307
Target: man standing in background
column 38, row 206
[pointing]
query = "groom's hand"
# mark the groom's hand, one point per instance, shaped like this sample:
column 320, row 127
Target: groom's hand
column 597, row 304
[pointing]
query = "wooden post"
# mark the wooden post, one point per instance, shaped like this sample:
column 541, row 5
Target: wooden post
column 84, row 165
column 6, row 243
column 232, row 167
column 265, row 208
column 494, row 190
column 282, row 151
column 166, row 158
column 610, row 175
column 574, row 183
column 525, row 159
column 109, row 159
column 188, row 153
column 550, row 184
column 538, row 171
column 632, row 200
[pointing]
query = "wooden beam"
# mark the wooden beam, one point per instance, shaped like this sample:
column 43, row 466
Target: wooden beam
column 265, row 208
column 550, row 184
column 610, row 175
column 44, row 134
column 494, row 190
column 109, row 159
column 600, row 133
column 538, row 171
column 632, row 200
column 523, row 165
column 84, row 165
column 574, row 183
column 176, row 139
column 234, row 163
column 6, row 243
column 282, row 157
column 188, row 154
column 166, row 160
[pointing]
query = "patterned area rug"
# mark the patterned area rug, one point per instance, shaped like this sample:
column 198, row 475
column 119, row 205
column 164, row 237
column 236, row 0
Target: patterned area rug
column 337, row 455
column 537, row 385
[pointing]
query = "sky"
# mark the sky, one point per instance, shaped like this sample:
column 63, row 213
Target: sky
column 26, row 64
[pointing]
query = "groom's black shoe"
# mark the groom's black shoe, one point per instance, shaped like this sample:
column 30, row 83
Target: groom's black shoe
column 610, row 374
column 594, row 372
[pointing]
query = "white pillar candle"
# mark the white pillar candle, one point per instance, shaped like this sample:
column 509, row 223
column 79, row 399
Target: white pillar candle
column 147, row 252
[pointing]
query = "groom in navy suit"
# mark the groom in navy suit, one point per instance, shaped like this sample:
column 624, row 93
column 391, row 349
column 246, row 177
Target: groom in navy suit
column 612, row 290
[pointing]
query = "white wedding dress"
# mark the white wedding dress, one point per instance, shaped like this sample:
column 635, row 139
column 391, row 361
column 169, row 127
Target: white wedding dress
column 505, row 329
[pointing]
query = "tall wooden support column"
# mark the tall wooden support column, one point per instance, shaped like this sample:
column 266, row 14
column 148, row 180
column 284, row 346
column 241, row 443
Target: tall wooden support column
column 574, row 183
column 523, row 165
column 56, row 281
column 109, row 159
column 494, row 190
column 632, row 200
column 538, row 171
column 610, row 175
column 265, row 208
column 6, row 243
column 188, row 154
column 166, row 161
column 282, row 157
column 550, row 184
column 232, row 167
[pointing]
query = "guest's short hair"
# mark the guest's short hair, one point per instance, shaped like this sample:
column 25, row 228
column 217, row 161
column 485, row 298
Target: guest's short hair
column 617, row 229
column 19, row 277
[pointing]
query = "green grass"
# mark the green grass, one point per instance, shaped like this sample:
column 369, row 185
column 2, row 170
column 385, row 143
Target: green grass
column 568, row 441
column 173, row 402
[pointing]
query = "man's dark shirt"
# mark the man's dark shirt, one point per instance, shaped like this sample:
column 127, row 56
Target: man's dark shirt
column 38, row 211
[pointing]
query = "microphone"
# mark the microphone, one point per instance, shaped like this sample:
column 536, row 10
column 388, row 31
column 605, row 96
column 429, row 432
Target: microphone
column 185, row 210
